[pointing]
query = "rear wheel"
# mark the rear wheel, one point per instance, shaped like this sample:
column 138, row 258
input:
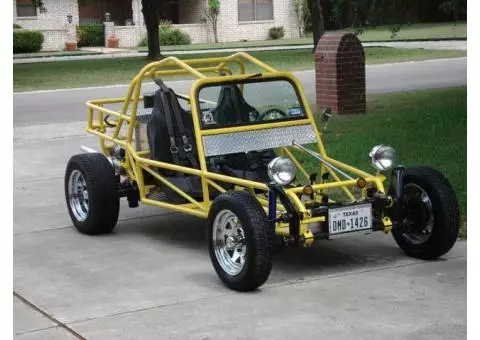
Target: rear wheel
column 431, row 218
column 240, row 241
column 91, row 193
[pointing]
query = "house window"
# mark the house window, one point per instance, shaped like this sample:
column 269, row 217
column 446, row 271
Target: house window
column 254, row 10
column 26, row 8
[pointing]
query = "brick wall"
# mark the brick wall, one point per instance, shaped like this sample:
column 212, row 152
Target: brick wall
column 54, row 18
column 340, row 73
column 230, row 29
column 54, row 40
column 199, row 33
column 130, row 36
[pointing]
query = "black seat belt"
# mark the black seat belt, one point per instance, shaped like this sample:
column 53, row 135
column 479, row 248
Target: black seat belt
column 171, row 133
column 169, row 105
column 187, row 146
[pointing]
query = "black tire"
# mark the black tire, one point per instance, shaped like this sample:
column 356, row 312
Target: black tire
column 444, row 209
column 103, row 200
column 258, row 238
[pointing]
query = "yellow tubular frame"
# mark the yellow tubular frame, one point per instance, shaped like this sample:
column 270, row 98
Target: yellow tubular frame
column 137, row 162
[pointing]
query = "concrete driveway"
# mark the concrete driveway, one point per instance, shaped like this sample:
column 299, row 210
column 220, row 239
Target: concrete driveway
column 152, row 278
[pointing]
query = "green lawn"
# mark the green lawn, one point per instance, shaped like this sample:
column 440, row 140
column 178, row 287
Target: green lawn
column 448, row 30
column 427, row 127
column 424, row 31
column 81, row 73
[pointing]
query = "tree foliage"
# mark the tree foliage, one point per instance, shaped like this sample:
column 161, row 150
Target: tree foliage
column 358, row 13
column 454, row 7
column 361, row 14
column 40, row 5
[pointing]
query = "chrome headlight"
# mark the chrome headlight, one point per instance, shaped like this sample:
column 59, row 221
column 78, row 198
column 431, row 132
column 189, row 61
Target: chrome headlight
column 383, row 157
column 281, row 170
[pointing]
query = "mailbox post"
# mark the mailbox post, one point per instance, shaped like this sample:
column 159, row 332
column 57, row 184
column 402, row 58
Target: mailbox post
column 340, row 74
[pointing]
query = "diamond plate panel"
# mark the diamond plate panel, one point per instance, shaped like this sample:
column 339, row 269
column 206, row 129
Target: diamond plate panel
column 258, row 139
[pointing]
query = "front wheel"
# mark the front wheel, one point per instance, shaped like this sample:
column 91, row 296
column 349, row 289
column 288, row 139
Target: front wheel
column 91, row 193
column 240, row 240
column 431, row 217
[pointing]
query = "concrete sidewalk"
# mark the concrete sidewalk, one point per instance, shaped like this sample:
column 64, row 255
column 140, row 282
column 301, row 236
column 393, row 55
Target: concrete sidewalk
column 108, row 53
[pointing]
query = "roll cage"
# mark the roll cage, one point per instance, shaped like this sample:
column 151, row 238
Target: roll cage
column 121, row 131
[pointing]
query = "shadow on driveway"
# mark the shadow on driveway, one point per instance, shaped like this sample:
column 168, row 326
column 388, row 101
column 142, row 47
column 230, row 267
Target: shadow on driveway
column 324, row 257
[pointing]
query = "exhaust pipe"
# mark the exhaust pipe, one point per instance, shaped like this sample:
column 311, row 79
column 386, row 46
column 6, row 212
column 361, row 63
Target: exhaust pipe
column 86, row 149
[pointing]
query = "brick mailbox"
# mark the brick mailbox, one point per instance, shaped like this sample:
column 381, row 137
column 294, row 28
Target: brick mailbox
column 340, row 73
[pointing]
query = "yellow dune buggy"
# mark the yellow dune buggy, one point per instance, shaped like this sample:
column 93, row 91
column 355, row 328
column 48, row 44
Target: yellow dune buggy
column 243, row 151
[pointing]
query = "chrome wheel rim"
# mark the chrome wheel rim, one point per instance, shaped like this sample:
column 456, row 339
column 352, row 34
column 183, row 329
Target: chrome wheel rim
column 229, row 242
column 419, row 219
column 78, row 195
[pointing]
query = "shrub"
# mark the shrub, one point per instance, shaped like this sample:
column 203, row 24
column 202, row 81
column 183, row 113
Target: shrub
column 25, row 41
column 277, row 32
column 143, row 42
column 170, row 36
column 174, row 36
column 394, row 29
column 165, row 26
column 90, row 35
column 15, row 26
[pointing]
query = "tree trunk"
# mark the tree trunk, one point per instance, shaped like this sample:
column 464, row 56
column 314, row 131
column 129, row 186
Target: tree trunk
column 215, row 30
column 150, row 11
column 318, row 25
column 299, row 24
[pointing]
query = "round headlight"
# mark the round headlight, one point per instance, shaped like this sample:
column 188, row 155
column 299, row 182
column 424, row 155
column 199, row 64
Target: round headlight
column 383, row 157
column 281, row 170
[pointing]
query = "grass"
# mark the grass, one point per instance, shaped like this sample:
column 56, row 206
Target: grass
column 81, row 73
column 424, row 31
column 427, row 127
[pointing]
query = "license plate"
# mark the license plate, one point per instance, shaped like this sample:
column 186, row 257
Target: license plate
column 352, row 218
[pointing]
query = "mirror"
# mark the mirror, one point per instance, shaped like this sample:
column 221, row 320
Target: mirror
column 325, row 117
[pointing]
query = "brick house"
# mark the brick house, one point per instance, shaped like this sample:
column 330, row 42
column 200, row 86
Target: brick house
column 238, row 20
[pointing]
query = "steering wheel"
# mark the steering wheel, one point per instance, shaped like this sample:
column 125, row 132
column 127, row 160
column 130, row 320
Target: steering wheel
column 273, row 114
